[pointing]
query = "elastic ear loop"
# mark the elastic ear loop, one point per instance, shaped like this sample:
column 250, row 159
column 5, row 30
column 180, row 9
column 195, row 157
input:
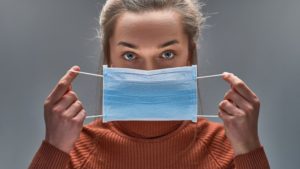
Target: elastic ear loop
column 101, row 76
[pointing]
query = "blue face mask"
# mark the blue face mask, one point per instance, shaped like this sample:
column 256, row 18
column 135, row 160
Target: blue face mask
column 155, row 95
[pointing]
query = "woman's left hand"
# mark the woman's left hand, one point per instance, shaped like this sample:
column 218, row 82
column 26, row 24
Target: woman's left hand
column 239, row 111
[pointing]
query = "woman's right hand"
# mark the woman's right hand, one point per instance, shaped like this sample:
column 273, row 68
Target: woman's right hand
column 64, row 114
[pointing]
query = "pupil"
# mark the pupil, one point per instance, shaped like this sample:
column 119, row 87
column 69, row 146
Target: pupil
column 168, row 54
column 129, row 56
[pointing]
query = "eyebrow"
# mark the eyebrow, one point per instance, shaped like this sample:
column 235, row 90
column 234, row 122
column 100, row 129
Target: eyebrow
column 130, row 45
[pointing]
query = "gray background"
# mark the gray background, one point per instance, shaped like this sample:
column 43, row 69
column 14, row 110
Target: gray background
column 40, row 39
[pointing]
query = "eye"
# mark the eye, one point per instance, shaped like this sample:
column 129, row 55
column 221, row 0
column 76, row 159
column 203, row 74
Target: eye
column 168, row 55
column 129, row 56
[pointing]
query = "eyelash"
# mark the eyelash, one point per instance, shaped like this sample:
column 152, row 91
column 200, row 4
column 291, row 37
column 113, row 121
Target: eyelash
column 174, row 53
column 128, row 53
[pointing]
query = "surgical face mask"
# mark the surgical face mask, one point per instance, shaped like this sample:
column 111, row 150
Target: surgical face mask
column 163, row 94
column 149, row 95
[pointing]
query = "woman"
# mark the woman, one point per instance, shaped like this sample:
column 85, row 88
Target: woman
column 148, row 35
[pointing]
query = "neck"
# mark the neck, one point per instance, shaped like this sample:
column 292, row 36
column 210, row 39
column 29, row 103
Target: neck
column 147, row 129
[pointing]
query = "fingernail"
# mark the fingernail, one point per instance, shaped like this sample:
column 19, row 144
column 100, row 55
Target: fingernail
column 225, row 74
column 76, row 68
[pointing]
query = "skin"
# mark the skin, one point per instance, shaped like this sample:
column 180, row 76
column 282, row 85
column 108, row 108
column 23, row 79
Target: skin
column 137, row 42
column 63, row 114
column 146, row 35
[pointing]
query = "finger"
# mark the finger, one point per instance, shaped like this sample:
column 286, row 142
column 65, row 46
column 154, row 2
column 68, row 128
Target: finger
column 74, row 109
column 63, row 85
column 240, row 86
column 225, row 116
column 66, row 101
column 80, row 117
column 238, row 100
column 228, row 107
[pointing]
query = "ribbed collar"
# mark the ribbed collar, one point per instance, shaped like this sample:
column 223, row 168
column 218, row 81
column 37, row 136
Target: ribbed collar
column 147, row 129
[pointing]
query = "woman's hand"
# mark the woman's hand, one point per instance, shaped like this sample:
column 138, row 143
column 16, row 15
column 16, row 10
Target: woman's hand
column 64, row 114
column 239, row 110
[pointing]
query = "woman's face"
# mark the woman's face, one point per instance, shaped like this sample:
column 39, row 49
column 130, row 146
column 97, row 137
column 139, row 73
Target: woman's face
column 151, row 40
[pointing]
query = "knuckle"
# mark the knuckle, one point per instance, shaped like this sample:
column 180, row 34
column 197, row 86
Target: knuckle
column 56, row 110
column 83, row 113
column 239, row 84
column 256, row 101
column 79, row 103
column 225, row 102
column 64, row 116
column 62, row 83
column 242, row 114
column 47, row 103
column 78, row 121
column 222, row 103
column 72, row 94
column 249, row 109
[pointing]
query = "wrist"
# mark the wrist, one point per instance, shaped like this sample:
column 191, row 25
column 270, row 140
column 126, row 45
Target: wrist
column 243, row 148
column 63, row 147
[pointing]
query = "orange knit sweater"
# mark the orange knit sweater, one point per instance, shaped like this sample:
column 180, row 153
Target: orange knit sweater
column 191, row 145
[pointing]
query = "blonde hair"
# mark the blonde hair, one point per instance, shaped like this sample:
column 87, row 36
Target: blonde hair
column 190, row 11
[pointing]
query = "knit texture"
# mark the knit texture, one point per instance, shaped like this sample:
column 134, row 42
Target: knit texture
column 201, row 145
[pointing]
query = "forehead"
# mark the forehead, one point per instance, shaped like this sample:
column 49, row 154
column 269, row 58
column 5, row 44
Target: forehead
column 148, row 26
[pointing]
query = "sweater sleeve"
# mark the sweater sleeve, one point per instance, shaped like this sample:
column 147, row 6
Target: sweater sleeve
column 221, row 150
column 48, row 156
column 255, row 159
